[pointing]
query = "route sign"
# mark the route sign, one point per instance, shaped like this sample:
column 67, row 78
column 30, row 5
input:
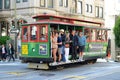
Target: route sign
column 14, row 31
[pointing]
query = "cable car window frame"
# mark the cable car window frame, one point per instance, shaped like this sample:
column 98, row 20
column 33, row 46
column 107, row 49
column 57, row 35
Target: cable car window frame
column 25, row 35
column 36, row 36
column 46, row 33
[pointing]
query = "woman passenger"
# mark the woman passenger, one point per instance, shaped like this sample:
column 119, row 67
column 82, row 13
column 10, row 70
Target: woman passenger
column 54, row 46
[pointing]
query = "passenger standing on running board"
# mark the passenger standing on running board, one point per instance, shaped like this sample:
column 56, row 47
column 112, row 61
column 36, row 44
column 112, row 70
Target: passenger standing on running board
column 82, row 43
column 54, row 46
column 59, row 43
column 73, row 45
column 62, row 34
column 67, row 42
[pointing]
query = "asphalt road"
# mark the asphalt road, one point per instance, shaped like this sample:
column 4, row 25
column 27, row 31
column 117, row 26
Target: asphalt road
column 101, row 70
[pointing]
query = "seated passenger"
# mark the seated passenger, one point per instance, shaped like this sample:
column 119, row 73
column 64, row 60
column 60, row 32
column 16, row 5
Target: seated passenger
column 42, row 37
column 33, row 33
column 25, row 36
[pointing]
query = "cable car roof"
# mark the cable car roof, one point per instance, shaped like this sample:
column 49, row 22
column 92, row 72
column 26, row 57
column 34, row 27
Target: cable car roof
column 64, row 23
column 63, row 17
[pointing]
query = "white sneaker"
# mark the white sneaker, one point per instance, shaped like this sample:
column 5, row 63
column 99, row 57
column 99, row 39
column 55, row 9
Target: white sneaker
column 82, row 60
column 72, row 60
column 75, row 61
column 54, row 63
column 68, row 61
column 79, row 59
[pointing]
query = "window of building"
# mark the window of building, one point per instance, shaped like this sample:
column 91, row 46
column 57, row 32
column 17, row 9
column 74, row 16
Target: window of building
column 87, row 8
column 79, row 7
column 17, row 1
column 73, row 8
column 60, row 2
column 7, row 4
column 90, row 8
column 42, row 3
column 66, row 3
column 4, row 28
column 50, row 3
column 1, row 4
column 101, row 12
column 97, row 11
column 25, row 0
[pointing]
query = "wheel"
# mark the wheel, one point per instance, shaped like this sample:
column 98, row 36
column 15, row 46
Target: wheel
column 94, row 60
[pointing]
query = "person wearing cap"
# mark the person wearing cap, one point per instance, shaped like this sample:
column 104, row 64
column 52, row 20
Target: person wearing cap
column 62, row 30
column 82, row 43
column 63, row 37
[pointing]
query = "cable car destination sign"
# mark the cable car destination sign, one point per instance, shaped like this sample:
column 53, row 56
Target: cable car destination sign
column 13, row 31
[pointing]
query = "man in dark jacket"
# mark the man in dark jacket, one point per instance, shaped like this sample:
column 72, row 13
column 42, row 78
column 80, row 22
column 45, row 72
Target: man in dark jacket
column 63, row 44
column 73, row 45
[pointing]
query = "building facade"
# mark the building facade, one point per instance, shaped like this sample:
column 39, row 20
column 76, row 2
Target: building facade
column 112, row 10
column 11, row 10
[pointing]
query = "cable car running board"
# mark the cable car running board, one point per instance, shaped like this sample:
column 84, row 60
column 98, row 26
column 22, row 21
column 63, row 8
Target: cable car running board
column 62, row 63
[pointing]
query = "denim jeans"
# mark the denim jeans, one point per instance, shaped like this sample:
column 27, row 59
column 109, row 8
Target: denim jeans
column 63, row 53
column 19, row 49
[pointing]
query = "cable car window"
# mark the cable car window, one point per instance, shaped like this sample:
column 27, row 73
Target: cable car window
column 87, row 34
column 25, row 33
column 93, row 31
column 43, row 33
column 98, row 35
column 33, row 33
column 104, row 35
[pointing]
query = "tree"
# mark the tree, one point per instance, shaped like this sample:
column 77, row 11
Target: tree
column 3, row 39
column 116, row 30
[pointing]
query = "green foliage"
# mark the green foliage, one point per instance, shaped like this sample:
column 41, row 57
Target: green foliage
column 117, row 32
column 3, row 39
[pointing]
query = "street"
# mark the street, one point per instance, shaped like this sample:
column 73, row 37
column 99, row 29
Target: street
column 101, row 70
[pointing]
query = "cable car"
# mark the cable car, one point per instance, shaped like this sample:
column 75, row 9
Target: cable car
column 36, row 41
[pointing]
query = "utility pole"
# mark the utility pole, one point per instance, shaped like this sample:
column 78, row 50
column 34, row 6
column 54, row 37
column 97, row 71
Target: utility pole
column 15, row 14
column 0, row 29
column 15, row 20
